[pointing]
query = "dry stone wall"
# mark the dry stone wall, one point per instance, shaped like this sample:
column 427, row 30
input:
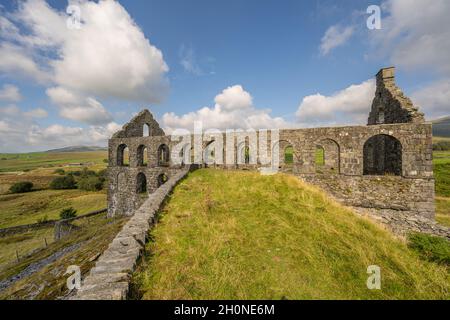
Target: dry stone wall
column 109, row 279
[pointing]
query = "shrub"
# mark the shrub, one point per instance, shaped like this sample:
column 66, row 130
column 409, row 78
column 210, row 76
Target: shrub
column 90, row 183
column 66, row 182
column 59, row 171
column 441, row 146
column 85, row 172
column 430, row 247
column 68, row 213
column 21, row 187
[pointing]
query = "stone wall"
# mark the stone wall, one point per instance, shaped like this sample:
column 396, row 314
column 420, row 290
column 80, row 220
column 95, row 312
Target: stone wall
column 390, row 105
column 109, row 279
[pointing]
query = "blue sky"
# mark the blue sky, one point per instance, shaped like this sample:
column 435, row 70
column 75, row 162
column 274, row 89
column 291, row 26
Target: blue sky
column 250, row 63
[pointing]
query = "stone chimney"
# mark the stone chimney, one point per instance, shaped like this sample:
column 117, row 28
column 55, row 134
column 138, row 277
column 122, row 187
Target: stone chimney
column 390, row 105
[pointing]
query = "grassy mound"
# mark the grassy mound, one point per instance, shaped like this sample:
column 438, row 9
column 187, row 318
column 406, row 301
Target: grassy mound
column 240, row 235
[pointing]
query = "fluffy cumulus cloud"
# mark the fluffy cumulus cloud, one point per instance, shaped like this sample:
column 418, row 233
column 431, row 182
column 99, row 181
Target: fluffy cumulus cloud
column 434, row 99
column 80, row 69
column 334, row 37
column 233, row 109
column 19, row 131
column 86, row 64
column 414, row 33
column 348, row 106
column 78, row 107
column 10, row 92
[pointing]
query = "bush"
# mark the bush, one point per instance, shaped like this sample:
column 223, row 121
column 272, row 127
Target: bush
column 68, row 213
column 442, row 146
column 430, row 247
column 21, row 187
column 86, row 172
column 66, row 182
column 59, row 171
column 90, row 183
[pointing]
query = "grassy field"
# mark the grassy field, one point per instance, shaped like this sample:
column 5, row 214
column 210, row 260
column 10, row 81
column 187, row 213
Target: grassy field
column 240, row 235
column 25, row 208
column 441, row 162
column 11, row 162
column 94, row 235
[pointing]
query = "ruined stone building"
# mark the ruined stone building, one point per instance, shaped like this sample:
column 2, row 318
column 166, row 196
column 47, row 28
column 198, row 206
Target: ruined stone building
column 386, row 165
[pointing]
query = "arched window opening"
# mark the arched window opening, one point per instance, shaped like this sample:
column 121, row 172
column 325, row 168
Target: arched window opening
column 141, row 183
column 163, row 155
column 208, row 154
column 327, row 156
column 289, row 155
column 382, row 156
column 162, row 178
column 319, row 156
column 123, row 155
column 142, row 156
column 146, row 130
column 247, row 155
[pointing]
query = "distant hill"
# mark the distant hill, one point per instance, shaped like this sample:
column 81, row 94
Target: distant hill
column 441, row 127
column 77, row 149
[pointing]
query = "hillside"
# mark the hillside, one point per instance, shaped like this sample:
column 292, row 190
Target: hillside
column 78, row 149
column 240, row 235
column 441, row 127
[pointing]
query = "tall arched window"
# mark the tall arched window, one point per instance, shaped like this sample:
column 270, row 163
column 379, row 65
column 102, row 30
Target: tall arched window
column 289, row 155
column 123, row 155
column 142, row 156
column 141, row 183
column 146, row 130
column 163, row 155
column 319, row 156
column 162, row 178
column 382, row 156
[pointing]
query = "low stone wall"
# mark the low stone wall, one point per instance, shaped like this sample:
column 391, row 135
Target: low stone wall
column 35, row 226
column 109, row 279
column 411, row 196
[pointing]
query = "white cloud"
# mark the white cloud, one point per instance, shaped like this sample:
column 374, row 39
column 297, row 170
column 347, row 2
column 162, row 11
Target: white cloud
column 233, row 109
column 434, row 99
column 78, row 107
column 36, row 113
column 415, row 34
column 10, row 93
column 86, row 63
column 334, row 37
column 348, row 106
column 19, row 132
column 188, row 60
column 17, row 61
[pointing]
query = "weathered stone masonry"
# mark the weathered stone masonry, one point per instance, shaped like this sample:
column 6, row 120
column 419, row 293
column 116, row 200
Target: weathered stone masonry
column 384, row 169
column 385, row 165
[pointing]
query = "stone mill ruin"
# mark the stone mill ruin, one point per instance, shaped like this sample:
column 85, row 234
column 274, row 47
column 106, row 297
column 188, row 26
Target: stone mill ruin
column 384, row 168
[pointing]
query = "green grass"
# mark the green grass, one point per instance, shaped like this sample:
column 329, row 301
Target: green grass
column 49, row 283
column 22, row 244
column 431, row 247
column 17, row 209
column 441, row 162
column 240, row 235
column 10, row 162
